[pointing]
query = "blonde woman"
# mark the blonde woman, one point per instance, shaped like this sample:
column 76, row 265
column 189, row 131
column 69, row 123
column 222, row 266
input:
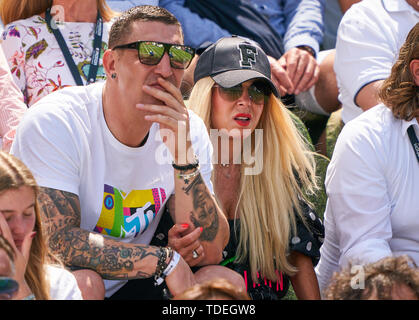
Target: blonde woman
column 20, row 225
column 42, row 63
column 261, row 188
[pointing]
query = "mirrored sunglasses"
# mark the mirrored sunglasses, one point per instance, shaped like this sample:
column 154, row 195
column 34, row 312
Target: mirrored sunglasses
column 151, row 53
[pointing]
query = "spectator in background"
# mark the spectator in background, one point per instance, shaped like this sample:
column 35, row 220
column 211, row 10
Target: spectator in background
column 298, row 25
column 391, row 278
column 333, row 13
column 12, row 106
column 369, row 38
column 20, row 225
column 36, row 58
column 372, row 180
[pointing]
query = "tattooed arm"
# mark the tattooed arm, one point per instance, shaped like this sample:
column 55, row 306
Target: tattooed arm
column 112, row 259
column 195, row 205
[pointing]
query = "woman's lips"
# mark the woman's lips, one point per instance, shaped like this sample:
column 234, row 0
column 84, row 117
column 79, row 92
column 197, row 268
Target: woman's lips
column 243, row 119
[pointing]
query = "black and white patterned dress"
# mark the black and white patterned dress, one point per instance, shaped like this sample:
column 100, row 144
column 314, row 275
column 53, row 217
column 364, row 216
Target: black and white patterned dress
column 306, row 241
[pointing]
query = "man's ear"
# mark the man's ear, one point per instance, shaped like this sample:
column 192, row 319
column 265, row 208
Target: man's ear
column 108, row 60
column 414, row 70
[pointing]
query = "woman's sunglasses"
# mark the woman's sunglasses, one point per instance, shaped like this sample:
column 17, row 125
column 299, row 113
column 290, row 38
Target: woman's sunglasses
column 8, row 288
column 257, row 91
column 151, row 52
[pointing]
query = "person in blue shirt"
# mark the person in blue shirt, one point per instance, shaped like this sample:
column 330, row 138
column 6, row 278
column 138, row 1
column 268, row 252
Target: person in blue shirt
column 123, row 5
column 299, row 24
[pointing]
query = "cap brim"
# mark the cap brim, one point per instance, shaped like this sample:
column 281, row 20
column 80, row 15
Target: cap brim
column 232, row 78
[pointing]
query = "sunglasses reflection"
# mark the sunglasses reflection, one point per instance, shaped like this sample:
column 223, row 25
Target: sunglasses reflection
column 257, row 92
column 151, row 53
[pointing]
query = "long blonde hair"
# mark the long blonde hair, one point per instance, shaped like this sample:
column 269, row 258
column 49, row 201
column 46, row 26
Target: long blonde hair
column 13, row 175
column 268, row 201
column 12, row 10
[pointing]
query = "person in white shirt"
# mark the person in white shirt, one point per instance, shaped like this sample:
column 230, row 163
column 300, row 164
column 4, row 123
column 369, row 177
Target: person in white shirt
column 369, row 37
column 109, row 156
column 372, row 181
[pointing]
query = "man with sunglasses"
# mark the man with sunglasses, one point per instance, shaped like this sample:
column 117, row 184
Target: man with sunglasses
column 110, row 157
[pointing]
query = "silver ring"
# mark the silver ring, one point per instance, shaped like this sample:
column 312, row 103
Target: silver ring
column 195, row 254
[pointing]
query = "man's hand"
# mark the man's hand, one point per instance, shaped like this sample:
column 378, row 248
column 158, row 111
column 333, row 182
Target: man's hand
column 172, row 115
column 280, row 77
column 296, row 71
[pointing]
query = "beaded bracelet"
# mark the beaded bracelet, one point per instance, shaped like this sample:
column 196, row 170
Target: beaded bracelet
column 171, row 266
column 186, row 177
column 169, row 252
column 161, row 264
column 164, row 253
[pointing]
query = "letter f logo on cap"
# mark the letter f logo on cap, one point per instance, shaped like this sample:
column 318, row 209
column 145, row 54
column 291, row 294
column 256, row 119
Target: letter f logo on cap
column 247, row 55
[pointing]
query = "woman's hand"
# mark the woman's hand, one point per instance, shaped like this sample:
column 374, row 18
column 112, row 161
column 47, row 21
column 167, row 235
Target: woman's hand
column 21, row 257
column 187, row 243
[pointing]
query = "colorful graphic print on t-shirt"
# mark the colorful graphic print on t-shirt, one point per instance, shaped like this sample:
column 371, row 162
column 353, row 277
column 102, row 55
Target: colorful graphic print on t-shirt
column 125, row 215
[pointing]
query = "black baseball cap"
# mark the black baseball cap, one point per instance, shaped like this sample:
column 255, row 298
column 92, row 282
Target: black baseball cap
column 233, row 60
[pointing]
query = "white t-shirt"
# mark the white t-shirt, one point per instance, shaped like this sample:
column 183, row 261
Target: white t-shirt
column 67, row 145
column 36, row 61
column 372, row 184
column 63, row 285
column 368, row 42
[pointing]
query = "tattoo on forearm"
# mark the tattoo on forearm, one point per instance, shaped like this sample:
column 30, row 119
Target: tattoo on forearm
column 78, row 247
column 205, row 211
column 191, row 185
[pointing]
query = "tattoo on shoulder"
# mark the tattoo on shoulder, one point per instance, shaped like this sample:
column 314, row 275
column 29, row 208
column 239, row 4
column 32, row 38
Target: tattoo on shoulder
column 59, row 208
column 205, row 211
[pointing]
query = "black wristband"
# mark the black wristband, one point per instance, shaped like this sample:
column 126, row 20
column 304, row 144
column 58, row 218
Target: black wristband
column 186, row 167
